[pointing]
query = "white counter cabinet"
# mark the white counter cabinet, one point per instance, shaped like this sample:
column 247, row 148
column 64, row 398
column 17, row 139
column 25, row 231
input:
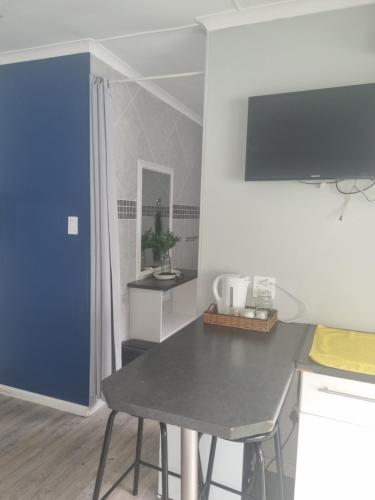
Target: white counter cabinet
column 336, row 439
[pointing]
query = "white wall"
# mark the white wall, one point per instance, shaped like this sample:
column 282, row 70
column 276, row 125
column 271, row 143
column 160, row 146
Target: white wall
column 286, row 229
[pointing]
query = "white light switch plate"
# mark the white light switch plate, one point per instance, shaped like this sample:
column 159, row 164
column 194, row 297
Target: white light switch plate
column 72, row 225
column 264, row 285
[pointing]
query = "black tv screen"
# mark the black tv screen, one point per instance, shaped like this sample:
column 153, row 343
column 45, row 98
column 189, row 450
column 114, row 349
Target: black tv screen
column 318, row 134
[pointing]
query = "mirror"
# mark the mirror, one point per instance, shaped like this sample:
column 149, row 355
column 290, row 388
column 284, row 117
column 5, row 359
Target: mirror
column 154, row 211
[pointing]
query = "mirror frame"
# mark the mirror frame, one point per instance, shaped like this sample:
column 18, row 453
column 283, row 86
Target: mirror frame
column 155, row 167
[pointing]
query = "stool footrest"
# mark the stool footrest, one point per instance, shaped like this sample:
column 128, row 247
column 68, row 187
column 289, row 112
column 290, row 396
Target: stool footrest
column 156, row 467
column 129, row 469
column 114, row 486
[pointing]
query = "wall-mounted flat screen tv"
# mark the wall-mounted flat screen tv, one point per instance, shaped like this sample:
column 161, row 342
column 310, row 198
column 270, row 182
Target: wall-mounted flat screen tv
column 318, row 134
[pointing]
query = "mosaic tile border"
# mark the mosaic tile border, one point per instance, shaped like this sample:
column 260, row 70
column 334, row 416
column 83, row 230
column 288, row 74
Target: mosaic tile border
column 151, row 211
column 186, row 212
column 127, row 209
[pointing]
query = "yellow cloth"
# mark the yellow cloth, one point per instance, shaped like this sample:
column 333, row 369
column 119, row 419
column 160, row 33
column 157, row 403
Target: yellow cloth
column 344, row 349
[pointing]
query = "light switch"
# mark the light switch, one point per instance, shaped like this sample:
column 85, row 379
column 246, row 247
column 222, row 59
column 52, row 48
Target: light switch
column 73, row 225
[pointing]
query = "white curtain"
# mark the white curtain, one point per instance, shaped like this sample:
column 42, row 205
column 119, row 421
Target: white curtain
column 106, row 327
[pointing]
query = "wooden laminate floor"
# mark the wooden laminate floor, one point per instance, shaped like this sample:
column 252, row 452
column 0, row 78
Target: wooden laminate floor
column 46, row 454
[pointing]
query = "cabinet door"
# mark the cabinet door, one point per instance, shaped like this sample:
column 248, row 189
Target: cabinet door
column 335, row 460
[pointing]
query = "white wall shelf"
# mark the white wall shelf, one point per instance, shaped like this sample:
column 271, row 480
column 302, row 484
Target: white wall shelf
column 158, row 309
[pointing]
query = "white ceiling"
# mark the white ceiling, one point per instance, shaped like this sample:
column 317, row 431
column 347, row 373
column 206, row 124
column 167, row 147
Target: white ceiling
column 32, row 23
column 29, row 23
column 170, row 52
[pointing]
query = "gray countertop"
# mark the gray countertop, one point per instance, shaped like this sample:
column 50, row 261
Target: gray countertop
column 305, row 363
column 151, row 283
column 222, row 381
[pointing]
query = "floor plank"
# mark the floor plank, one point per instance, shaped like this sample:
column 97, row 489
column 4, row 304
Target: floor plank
column 46, row 454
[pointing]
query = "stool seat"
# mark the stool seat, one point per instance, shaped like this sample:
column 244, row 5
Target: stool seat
column 258, row 438
column 254, row 449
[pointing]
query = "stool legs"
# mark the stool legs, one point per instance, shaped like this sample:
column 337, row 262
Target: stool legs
column 248, row 474
column 251, row 445
column 279, row 461
column 207, row 485
column 137, row 464
column 200, row 470
column 261, row 473
column 103, row 456
column 164, row 461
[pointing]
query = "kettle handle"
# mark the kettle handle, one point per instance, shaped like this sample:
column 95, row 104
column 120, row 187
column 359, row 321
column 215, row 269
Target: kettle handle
column 215, row 288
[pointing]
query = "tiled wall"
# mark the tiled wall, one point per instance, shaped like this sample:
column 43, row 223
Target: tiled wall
column 127, row 209
column 148, row 129
column 150, row 211
column 185, row 212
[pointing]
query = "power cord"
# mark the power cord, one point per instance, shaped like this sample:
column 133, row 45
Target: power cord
column 294, row 418
column 357, row 190
column 336, row 182
column 299, row 301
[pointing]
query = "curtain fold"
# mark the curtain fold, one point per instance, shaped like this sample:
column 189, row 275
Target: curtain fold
column 106, row 327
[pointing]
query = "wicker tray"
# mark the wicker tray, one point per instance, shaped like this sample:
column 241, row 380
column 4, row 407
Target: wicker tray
column 212, row 317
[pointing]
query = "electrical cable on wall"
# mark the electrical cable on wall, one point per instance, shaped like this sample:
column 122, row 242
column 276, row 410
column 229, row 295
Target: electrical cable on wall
column 300, row 303
column 294, row 417
column 357, row 190
column 343, row 209
column 347, row 193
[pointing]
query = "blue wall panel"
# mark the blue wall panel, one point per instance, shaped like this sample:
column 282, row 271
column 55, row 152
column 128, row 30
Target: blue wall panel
column 44, row 272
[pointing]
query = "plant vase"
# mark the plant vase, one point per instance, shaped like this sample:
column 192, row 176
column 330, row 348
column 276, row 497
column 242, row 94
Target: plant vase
column 165, row 263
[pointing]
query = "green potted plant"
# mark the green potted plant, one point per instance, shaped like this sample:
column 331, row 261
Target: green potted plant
column 163, row 241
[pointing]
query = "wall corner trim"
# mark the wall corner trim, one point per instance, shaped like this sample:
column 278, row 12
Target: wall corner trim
column 98, row 50
column 276, row 10
column 45, row 52
column 57, row 404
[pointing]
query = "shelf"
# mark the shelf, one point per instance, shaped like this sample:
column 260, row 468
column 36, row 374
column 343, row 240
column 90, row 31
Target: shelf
column 155, row 314
column 151, row 283
column 173, row 322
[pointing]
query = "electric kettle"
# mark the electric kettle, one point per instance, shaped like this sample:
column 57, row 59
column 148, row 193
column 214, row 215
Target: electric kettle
column 233, row 292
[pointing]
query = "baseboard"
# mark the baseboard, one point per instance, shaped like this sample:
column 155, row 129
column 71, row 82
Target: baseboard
column 57, row 404
column 95, row 407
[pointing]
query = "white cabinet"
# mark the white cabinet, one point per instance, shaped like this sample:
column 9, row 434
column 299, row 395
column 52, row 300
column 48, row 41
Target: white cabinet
column 336, row 440
column 155, row 314
column 338, row 399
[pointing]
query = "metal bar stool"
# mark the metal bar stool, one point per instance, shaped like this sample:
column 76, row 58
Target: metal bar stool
column 254, row 449
column 138, row 462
